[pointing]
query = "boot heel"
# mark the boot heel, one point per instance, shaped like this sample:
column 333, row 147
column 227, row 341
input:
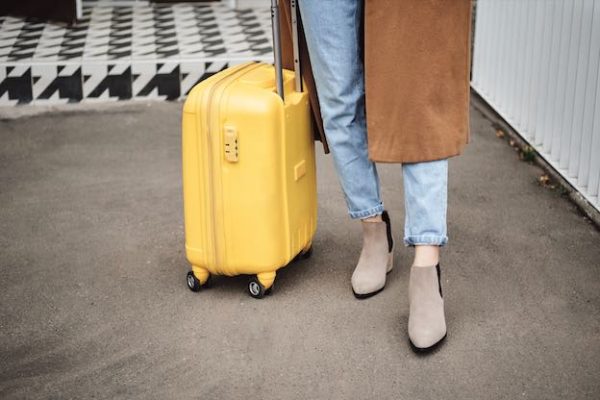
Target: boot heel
column 390, row 264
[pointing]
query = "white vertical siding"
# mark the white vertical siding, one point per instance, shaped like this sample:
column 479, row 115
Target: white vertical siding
column 537, row 63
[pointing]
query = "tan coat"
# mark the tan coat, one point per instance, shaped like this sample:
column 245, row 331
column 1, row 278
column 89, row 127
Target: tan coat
column 417, row 60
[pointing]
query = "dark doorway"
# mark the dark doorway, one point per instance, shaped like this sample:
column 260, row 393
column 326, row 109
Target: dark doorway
column 55, row 10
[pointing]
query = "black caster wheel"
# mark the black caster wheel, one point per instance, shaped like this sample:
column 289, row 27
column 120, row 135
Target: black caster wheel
column 256, row 289
column 306, row 254
column 269, row 291
column 193, row 282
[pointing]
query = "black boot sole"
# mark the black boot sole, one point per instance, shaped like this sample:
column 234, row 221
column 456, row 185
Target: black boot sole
column 427, row 350
column 366, row 295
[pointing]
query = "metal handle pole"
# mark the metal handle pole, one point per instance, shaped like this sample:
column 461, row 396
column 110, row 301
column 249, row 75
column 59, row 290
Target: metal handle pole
column 297, row 70
column 277, row 47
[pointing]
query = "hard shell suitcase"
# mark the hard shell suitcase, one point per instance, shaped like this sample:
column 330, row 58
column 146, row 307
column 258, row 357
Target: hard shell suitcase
column 249, row 178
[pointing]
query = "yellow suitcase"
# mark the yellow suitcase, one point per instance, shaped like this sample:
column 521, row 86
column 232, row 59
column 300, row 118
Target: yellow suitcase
column 249, row 177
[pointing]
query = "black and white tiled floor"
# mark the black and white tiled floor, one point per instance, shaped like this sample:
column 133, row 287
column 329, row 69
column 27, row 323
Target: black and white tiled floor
column 118, row 52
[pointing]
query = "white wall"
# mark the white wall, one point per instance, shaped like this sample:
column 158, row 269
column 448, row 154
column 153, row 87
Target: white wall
column 249, row 3
column 537, row 62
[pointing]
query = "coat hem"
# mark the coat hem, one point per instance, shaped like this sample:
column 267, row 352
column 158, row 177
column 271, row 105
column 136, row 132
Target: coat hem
column 398, row 160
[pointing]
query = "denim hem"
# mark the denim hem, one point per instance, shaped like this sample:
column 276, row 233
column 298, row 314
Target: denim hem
column 436, row 240
column 371, row 212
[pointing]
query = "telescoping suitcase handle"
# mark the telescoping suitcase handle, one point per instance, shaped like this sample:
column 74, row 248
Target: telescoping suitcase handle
column 277, row 46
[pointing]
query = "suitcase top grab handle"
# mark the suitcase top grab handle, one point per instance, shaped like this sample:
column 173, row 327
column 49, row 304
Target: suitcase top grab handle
column 277, row 46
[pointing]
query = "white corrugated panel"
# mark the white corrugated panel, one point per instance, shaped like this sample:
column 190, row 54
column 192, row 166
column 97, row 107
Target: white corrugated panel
column 537, row 63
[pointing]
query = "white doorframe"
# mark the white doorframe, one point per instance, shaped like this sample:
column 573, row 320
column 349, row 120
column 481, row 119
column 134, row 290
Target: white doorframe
column 78, row 9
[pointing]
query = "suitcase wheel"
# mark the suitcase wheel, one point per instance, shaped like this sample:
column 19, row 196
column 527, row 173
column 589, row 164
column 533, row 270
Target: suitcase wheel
column 306, row 253
column 193, row 282
column 257, row 289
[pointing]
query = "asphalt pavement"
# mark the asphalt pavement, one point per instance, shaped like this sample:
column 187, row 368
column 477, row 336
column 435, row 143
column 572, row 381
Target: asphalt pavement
column 93, row 300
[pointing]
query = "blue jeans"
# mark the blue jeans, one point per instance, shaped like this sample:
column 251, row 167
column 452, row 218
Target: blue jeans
column 333, row 30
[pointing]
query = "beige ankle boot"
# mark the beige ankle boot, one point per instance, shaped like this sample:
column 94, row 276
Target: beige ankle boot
column 426, row 321
column 376, row 258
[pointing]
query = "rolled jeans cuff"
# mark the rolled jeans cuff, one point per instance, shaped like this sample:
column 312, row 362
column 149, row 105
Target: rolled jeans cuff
column 371, row 212
column 431, row 240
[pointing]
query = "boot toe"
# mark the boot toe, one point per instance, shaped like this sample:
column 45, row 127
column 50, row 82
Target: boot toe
column 426, row 338
column 363, row 285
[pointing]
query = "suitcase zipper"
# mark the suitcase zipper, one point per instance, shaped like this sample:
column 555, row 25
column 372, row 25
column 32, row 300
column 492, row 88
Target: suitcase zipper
column 213, row 108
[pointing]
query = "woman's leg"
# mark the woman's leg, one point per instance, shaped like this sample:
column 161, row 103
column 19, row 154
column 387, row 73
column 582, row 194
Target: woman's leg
column 333, row 34
column 333, row 31
column 425, row 202
column 426, row 198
